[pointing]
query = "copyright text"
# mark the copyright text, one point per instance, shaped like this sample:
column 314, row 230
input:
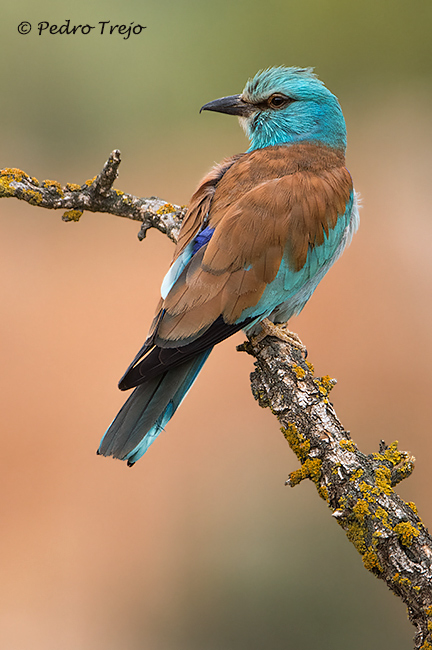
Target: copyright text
column 103, row 27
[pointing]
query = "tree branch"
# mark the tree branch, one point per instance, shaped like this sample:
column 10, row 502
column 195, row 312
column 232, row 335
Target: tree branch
column 386, row 531
column 95, row 195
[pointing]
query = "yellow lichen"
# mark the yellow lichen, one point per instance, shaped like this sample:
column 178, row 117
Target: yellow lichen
column 5, row 189
column 382, row 486
column 310, row 366
column 367, row 491
column 297, row 441
column 73, row 187
column 361, row 509
column 13, row 173
column 314, row 468
column 392, row 454
column 90, row 180
column 34, row 197
column 356, row 475
column 402, row 471
column 72, row 215
column 311, row 468
column 381, row 514
column 298, row 476
column 55, row 184
column 299, row 371
column 356, row 533
column 167, row 208
column 371, row 561
column 383, row 479
column 325, row 385
column 405, row 582
column 10, row 175
column 348, row 445
column 406, row 532
column 260, row 395
column 401, row 461
column 335, row 469
column 323, row 492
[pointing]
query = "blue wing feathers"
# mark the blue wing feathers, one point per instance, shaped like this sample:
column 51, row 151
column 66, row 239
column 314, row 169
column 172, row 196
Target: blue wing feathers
column 202, row 239
column 177, row 268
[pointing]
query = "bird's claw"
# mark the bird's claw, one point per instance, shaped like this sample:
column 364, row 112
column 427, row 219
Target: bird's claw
column 280, row 332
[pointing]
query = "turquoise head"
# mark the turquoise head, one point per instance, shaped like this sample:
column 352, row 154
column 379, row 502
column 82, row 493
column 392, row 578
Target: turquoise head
column 285, row 106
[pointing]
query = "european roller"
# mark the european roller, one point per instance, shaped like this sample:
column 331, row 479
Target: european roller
column 261, row 231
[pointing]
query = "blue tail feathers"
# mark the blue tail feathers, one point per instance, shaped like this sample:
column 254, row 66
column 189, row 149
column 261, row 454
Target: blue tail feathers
column 148, row 409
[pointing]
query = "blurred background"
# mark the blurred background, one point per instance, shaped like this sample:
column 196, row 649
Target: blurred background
column 200, row 546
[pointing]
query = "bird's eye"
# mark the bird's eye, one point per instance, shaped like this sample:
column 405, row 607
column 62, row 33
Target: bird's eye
column 278, row 101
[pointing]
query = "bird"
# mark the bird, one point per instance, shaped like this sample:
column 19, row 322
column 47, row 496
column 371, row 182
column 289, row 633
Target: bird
column 260, row 232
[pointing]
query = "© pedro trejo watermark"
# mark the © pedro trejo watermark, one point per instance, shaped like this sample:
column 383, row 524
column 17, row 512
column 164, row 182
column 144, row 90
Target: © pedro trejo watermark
column 103, row 27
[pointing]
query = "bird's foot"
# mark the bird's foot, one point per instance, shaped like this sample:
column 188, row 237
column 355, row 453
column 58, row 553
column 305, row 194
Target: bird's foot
column 280, row 332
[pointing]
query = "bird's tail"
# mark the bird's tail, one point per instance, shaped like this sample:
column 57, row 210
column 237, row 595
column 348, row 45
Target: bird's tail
column 148, row 409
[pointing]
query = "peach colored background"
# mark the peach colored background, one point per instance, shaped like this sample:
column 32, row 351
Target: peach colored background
column 200, row 545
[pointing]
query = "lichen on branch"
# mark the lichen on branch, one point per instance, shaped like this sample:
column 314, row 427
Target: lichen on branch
column 387, row 532
column 94, row 195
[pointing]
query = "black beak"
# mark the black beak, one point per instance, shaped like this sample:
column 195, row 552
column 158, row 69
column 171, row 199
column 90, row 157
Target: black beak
column 233, row 105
